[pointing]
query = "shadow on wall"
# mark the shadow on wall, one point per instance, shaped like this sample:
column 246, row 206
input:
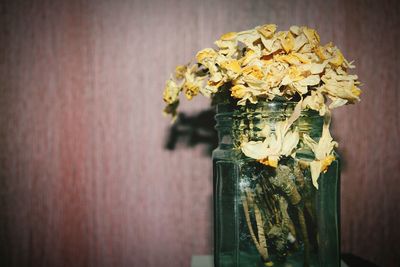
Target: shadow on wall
column 194, row 130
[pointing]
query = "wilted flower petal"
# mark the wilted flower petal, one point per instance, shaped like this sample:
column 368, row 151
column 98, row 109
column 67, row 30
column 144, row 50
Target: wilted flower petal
column 316, row 102
column 295, row 29
column 239, row 91
column 266, row 30
column 227, row 44
column 248, row 38
column 287, row 41
column 206, row 55
column 312, row 36
column 337, row 102
column 290, row 143
column 231, row 67
column 299, row 42
column 255, row 149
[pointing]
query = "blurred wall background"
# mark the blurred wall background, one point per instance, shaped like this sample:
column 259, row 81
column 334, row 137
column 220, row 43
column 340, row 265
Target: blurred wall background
column 86, row 179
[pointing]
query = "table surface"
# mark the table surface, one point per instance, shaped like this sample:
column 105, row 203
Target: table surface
column 206, row 261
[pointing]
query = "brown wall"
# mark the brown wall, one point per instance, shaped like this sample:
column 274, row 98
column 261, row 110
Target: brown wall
column 85, row 176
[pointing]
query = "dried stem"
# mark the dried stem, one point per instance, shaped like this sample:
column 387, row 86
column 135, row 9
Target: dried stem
column 263, row 251
column 286, row 218
column 259, row 221
column 298, row 173
column 283, row 182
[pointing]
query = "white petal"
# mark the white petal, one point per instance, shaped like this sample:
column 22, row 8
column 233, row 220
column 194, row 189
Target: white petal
column 255, row 150
column 310, row 80
column 290, row 142
column 315, row 167
column 295, row 115
column 337, row 102
column 309, row 142
column 266, row 130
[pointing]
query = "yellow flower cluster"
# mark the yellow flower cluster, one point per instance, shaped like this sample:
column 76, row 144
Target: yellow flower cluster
column 262, row 64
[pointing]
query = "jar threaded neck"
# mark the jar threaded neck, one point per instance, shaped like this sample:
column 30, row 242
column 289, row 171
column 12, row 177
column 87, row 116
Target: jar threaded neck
column 237, row 122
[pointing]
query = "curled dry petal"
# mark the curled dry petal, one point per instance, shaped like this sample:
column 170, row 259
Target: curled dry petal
column 287, row 41
column 238, row 91
column 295, row 29
column 315, row 101
column 299, row 42
column 266, row 30
column 248, row 38
column 227, row 44
column 290, row 142
column 231, row 67
column 209, row 89
column 206, row 55
column 229, row 36
column 312, row 36
column 256, row 149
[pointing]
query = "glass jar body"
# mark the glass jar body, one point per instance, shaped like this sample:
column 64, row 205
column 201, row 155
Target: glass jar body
column 272, row 216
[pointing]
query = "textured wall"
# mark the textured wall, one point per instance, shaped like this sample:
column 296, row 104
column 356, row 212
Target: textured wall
column 85, row 178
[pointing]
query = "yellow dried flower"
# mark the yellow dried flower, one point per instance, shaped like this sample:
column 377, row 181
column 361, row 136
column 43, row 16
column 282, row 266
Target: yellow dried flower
column 171, row 92
column 249, row 56
column 267, row 30
column 254, row 71
column 312, row 36
column 294, row 75
column 205, row 55
column 180, row 71
column 316, row 102
column 295, row 30
column 238, row 91
column 227, row 44
column 337, row 59
column 340, row 86
column 322, row 53
column 231, row 65
column 190, row 89
column 302, row 58
column 228, row 36
column 248, row 38
column 300, row 41
column 287, row 41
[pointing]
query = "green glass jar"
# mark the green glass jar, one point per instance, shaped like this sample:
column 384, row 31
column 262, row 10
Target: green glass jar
column 272, row 216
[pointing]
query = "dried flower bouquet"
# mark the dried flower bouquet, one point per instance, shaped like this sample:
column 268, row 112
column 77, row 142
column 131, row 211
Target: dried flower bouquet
column 263, row 65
